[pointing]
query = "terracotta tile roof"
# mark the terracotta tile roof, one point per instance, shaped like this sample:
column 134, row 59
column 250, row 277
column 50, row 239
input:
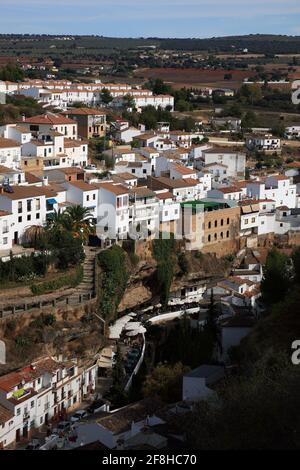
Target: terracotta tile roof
column 49, row 118
column 124, row 176
column 8, row 143
column 5, row 415
column 71, row 170
column 176, row 183
column 164, row 195
column 141, row 192
column 293, row 165
column 24, row 192
column 4, row 213
column 5, row 169
column 121, row 420
column 116, row 188
column 279, row 177
column 83, row 185
column 229, row 189
column 183, row 169
column 70, row 143
column 31, row 178
column 84, row 111
column 224, row 150
column 28, row 373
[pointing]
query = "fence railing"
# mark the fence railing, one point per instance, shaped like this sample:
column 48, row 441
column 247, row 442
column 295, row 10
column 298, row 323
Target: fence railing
column 59, row 301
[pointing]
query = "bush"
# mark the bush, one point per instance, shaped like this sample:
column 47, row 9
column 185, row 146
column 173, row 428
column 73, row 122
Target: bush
column 113, row 280
column 67, row 280
column 24, row 268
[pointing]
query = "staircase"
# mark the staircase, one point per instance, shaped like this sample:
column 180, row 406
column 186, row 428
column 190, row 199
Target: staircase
column 87, row 286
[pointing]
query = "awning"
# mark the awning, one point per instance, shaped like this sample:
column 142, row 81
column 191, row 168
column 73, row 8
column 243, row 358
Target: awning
column 52, row 201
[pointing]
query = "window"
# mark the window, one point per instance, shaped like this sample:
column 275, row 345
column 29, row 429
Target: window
column 29, row 217
column 253, row 220
column 246, row 221
column 20, row 207
column 5, row 241
column 208, row 238
column 18, row 411
column 20, row 219
column 37, row 204
column 216, row 223
column 31, row 404
column 37, row 215
column 87, row 197
column 222, row 222
column 227, row 234
column 216, row 236
column 29, row 205
column 228, row 221
column 94, row 197
column 209, row 224
column 221, row 234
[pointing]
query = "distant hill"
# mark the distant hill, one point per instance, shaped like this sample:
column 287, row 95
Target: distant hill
column 255, row 43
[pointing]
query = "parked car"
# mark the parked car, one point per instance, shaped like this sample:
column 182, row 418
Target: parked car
column 96, row 406
column 34, row 444
column 80, row 414
column 133, row 354
column 62, row 427
column 91, row 167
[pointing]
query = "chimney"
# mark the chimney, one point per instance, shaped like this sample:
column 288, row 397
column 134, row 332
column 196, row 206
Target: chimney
column 23, row 117
column 45, row 181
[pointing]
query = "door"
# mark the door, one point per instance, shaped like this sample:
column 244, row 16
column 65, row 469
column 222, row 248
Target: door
column 16, row 238
column 25, row 431
column 18, row 435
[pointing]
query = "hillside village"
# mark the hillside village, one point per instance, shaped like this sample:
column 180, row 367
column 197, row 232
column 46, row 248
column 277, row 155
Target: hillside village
column 82, row 167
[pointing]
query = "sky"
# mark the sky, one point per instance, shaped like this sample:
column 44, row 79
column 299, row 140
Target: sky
column 151, row 18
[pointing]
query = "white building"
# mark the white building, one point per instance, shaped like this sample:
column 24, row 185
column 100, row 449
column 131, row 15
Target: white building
column 49, row 122
column 197, row 383
column 83, row 194
column 29, row 205
column 113, row 210
column 292, row 132
column 232, row 162
column 10, row 152
column 263, row 143
column 277, row 188
column 143, row 212
column 30, row 397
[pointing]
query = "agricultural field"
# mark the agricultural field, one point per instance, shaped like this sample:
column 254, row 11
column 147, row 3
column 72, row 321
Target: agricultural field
column 180, row 78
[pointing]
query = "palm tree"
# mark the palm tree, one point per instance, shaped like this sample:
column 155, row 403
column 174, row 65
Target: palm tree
column 81, row 221
column 34, row 235
column 57, row 221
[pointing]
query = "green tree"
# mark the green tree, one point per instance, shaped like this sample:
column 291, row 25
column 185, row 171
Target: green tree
column 106, row 96
column 296, row 263
column 165, row 382
column 80, row 219
column 276, row 277
column 128, row 101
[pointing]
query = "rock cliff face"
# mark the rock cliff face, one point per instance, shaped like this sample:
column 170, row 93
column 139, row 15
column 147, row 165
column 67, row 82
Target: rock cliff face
column 143, row 287
column 71, row 332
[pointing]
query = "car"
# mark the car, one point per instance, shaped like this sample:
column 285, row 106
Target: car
column 34, row 444
column 96, row 406
column 80, row 414
column 91, row 167
column 133, row 354
column 62, row 427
